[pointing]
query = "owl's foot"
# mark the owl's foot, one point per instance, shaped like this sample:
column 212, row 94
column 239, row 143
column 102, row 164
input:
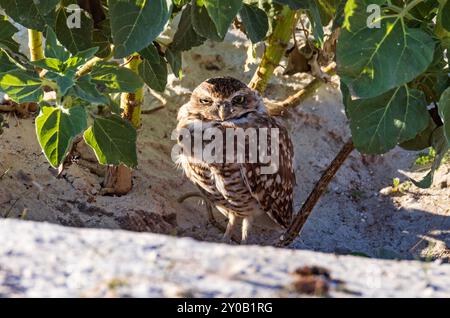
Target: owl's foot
column 211, row 219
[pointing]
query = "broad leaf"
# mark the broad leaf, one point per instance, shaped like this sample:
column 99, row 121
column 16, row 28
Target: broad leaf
column 115, row 79
column 21, row 86
column 175, row 61
column 77, row 38
column 53, row 49
column 328, row 9
column 444, row 15
column 86, row 90
column 422, row 140
column 203, row 24
column 378, row 124
column 113, row 140
column 7, row 30
column 31, row 14
column 50, row 63
column 154, row 74
column 56, row 128
column 294, row 4
column 64, row 81
column 441, row 146
column 222, row 13
column 186, row 38
column 255, row 22
column 5, row 63
column 313, row 14
column 100, row 40
column 441, row 29
column 80, row 58
column 316, row 21
column 444, row 112
column 136, row 23
column 150, row 53
column 372, row 61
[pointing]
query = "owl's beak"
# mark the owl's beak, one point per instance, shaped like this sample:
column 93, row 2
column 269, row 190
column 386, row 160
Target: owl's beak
column 222, row 112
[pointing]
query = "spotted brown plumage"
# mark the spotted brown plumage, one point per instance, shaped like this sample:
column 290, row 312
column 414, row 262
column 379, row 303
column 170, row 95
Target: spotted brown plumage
column 238, row 189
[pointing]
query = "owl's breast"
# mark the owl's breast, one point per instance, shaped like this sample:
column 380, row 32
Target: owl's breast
column 223, row 185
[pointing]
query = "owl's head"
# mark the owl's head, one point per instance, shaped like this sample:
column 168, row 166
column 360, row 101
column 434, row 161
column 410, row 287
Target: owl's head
column 224, row 99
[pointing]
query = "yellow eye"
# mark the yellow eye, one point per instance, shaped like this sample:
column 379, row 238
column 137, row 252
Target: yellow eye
column 238, row 99
column 205, row 101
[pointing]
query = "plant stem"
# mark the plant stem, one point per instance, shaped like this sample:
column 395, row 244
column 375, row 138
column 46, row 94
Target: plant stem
column 276, row 109
column 35, row 45
column 87, row 67
column 274, row 51
column 131, row 102
column 276, row 46
column 318, row 190
column 118, row 179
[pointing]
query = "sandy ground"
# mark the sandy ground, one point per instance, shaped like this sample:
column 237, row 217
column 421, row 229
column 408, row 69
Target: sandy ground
column 351, row 218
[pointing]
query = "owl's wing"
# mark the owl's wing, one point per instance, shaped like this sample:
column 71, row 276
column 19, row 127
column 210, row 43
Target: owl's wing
column 274, row 192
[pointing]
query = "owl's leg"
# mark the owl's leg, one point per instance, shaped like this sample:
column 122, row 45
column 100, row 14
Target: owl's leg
column 228, row 236
column 246, row 228
column 208, row 204
column 211, row 218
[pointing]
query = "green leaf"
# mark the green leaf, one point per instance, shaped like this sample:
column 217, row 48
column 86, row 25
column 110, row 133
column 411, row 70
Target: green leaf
column 372, row 61
column 113, row 140
column 150, row 53
column 64, row 81
column 441, row 146
column 255, row 22
column 222, row 13
column 31, row 14
column 56, row 128
column 80, row 58
column 378, row 124
column 203, row 24
column 339, row 15
column 175, row 61
column 445, row 16
column 100, row 40
column 328, row 9
column 313, row 14
column 5, row 63
column 316, row 21
column 7, row 30
column 77, row 38
column 186, row 38
column 49, row 63
column 422, row 140
column 154, row 73
column 443, row 33
column 294, row 4
column 114, row 104
column 136, row 23
column 86, row 90
column 53, row 49
column 115, row 79
column 444, row 112
column 21, row 86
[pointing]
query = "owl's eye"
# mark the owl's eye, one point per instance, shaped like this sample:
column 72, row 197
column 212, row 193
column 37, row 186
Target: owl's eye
column 205, row 101
column 238, row 99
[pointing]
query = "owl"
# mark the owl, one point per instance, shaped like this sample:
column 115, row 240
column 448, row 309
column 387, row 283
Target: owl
column 238, row 188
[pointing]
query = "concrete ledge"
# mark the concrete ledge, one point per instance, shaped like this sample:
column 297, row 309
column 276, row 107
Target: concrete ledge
column 44, row 260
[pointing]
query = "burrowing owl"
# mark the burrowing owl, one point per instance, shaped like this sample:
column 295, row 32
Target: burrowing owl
column 238, row 188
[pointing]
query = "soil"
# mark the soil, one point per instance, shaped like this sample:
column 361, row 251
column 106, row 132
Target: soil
column 353, row 217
